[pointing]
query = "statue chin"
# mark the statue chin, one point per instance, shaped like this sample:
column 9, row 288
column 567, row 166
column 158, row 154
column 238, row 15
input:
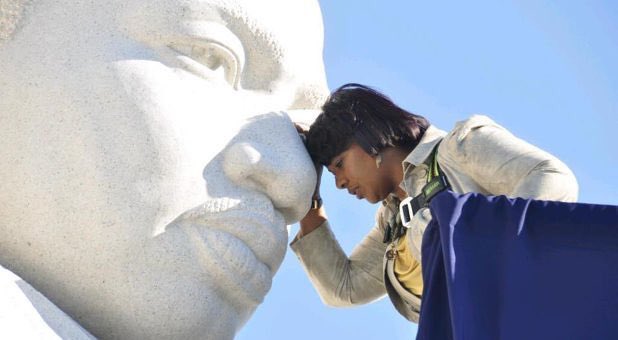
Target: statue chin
column 153, row 165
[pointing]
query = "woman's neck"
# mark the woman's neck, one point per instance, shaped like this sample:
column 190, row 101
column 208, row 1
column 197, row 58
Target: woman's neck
column 392, row 159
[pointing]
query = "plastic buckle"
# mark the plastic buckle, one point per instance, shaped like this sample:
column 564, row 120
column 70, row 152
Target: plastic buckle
column 406, row 212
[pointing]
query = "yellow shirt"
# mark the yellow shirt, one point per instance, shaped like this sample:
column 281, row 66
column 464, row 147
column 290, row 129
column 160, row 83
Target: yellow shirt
column 407, row 269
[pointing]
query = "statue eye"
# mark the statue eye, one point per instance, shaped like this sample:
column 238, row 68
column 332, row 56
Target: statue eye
column 209, row 50
column 209, row 60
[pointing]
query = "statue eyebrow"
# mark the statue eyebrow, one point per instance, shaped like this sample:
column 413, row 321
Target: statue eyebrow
column 211, row 37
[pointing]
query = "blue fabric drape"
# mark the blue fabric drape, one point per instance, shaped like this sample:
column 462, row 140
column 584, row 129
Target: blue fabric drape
column 501, row 268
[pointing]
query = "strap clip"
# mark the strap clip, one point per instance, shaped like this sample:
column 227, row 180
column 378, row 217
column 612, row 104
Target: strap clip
column 410, row 206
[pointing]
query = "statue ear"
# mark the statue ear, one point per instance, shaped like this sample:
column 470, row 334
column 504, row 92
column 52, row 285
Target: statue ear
column 212, row 52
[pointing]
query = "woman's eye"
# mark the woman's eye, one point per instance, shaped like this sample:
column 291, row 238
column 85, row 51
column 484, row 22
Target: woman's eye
column 209, row 60
column 339, row 164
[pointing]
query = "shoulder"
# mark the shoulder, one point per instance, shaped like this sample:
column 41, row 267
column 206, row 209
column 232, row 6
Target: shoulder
column 471, row 125
column 473, row 132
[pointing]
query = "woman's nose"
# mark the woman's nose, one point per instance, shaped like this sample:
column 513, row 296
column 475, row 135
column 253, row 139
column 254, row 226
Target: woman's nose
column 340, row 182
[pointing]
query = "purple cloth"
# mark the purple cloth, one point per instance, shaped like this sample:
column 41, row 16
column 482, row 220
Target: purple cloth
column 500, row 268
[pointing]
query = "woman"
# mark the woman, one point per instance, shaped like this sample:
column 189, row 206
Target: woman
column 382, row 153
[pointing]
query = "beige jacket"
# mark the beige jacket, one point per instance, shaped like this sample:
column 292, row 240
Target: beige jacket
column 478, row 155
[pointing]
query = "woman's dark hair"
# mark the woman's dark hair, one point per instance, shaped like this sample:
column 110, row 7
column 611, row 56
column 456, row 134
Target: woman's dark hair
column 360, row 114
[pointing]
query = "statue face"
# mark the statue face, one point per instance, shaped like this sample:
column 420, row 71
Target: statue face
column 152, row 164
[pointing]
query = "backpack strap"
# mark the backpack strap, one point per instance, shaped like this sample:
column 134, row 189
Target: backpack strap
column 436, row 183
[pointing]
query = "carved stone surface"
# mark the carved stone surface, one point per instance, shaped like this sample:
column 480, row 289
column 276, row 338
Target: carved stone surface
column 26, row 314
column 149, row 164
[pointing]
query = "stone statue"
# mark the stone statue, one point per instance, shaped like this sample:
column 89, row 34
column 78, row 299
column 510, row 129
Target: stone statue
column 149, row 164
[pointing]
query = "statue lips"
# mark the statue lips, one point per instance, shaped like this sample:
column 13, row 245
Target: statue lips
column 243, row 247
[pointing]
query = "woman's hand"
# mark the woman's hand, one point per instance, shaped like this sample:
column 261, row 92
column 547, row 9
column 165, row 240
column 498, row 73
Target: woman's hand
column 318, row 171
column 302, row 132
column 315, row 217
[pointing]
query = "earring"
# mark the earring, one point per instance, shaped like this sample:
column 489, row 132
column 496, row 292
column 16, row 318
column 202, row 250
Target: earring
column 378, row 160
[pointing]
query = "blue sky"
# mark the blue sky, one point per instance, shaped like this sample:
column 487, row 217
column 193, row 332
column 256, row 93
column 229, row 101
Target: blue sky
column 546, row 70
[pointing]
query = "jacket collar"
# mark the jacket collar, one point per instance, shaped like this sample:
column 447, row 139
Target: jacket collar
column 418, row 156
column 424, row 148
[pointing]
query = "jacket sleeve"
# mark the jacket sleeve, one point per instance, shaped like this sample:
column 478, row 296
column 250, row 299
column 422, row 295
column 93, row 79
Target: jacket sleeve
column 503, row 164
column 341, row 280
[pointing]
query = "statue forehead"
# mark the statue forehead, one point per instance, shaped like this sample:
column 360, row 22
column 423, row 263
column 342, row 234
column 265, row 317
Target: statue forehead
column 257, row 11
column 278, row 13
column 287, row 19
column 280, row 26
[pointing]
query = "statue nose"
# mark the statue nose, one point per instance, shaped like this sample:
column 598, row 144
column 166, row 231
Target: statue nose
column 269, row 156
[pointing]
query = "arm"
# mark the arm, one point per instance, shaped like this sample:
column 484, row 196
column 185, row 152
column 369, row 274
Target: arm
column 503, row 164
column 339, row 280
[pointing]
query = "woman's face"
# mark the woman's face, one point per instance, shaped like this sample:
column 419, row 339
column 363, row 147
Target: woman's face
column 356, row 170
